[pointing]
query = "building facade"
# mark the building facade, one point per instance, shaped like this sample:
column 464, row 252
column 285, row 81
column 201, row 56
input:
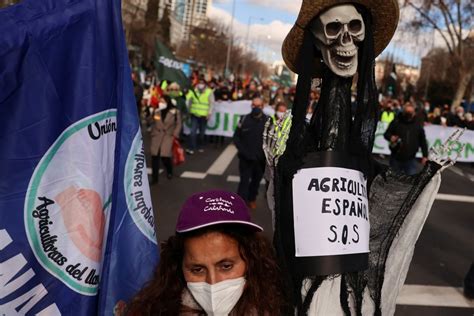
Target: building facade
column 184, row 15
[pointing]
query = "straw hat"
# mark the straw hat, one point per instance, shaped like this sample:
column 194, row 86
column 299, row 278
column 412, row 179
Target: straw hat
column 385, row 14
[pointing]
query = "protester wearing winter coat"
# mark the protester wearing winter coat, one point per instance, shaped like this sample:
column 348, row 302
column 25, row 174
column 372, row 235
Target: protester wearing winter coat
column 167, row 125
column 406, row 135
column 248, row 138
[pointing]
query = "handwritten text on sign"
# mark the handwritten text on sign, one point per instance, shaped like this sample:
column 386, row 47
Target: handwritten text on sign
column 331, row 214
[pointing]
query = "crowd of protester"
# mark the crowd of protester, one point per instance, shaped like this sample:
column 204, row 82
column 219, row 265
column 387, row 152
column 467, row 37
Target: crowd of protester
column 194, row 103
column 164, row 106
column 272, row 93
column 428, row 113
column 148, row 92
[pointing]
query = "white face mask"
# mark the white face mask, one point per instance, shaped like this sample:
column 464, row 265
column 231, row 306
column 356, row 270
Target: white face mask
column 218, row 299
column 162, row 106
column 201, row 86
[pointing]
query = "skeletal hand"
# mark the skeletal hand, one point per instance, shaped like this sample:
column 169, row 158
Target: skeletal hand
column 440, row 155
column 275, row 138
column 269, row 142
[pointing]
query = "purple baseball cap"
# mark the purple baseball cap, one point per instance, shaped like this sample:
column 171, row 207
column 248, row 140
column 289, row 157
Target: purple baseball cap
column 213, row 208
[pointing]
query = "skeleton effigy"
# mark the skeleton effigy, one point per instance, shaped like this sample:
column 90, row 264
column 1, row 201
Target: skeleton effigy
column 345, row 226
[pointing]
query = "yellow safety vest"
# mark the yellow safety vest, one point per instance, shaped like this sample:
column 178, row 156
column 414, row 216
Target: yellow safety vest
column 283, row 126
column 200, row 102
column 164, row 85
column 388, row 117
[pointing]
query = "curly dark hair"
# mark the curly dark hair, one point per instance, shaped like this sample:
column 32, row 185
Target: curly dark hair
column 263, row 294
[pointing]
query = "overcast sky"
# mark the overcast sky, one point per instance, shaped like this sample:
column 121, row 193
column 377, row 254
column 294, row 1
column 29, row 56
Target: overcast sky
column 271, row 21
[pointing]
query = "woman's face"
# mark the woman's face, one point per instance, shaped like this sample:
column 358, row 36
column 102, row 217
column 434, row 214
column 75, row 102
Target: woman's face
column 212, row 258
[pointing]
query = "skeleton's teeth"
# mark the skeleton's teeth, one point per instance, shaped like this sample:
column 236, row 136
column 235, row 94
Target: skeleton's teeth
column 344, row 65
column 346, row 53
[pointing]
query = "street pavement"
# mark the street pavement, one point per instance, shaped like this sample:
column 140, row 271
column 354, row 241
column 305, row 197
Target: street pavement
column 443, row 253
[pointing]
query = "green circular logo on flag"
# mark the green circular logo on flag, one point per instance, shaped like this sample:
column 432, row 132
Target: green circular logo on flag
column 68, row 202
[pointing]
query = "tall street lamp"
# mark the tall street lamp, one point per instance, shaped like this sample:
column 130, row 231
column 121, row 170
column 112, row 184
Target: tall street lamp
column 229, row 48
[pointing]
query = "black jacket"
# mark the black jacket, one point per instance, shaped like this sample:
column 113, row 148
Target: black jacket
column 248, row 137
column 412, row 137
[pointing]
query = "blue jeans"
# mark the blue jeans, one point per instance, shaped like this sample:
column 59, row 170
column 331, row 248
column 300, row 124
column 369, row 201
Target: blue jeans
column 409, row 167
column 201, row 124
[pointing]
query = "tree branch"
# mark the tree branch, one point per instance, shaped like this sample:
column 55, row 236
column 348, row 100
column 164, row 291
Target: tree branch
column 433, row 23
column 445, row 12
column 448, row 12
column 461, row 46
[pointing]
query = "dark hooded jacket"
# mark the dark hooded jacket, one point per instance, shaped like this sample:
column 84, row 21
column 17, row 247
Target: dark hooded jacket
column 412, row 137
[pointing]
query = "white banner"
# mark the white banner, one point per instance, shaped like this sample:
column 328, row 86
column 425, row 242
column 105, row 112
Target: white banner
column 436, row 136
column 226, row 115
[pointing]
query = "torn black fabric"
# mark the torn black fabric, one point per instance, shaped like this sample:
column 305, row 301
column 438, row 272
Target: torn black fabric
column 330, row 130
column 391, row 200
column 287, row 167
column 364, row 125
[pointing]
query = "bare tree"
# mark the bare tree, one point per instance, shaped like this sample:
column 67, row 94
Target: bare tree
column 452, row 20
column 143, row 27
column 151, row 15
column 165, row 27
column 208, row 45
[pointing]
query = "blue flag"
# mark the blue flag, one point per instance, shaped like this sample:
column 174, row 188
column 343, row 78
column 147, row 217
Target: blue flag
column 76, row 223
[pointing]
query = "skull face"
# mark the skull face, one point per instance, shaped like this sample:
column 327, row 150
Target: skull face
column 337, row 31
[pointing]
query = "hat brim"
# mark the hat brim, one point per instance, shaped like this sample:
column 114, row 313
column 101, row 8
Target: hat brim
column 385, row 15
column 252, row 226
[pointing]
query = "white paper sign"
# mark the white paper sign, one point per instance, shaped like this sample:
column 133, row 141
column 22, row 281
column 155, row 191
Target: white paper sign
column 331, row 214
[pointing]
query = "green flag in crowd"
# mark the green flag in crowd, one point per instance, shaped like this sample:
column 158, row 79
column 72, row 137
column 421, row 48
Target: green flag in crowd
column 284, row 79
column 169, row 68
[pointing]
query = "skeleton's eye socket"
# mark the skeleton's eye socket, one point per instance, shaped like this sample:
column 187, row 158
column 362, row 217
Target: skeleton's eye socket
column 355, row 26
column 333, row 28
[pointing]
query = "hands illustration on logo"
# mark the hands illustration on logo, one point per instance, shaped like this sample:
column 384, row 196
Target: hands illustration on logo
column 84, row 219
